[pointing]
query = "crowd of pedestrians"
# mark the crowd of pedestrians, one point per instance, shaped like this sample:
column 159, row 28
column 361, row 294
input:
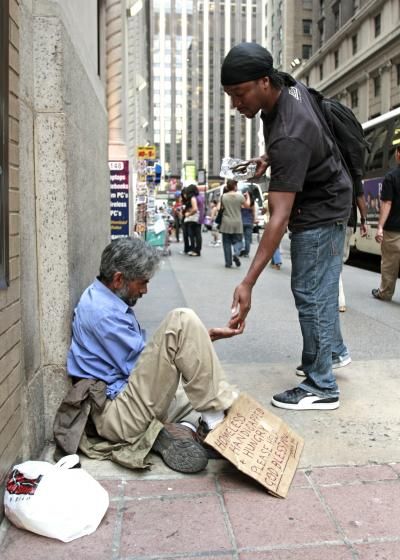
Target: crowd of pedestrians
column 190, row 216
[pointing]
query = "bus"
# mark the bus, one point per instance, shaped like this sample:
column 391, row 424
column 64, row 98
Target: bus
column 383, row 135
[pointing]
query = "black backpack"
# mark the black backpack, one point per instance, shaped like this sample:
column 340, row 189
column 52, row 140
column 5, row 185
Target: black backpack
column 347, row 132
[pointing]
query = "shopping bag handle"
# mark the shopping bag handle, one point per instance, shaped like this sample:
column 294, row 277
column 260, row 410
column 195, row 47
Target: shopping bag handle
column 67, row 462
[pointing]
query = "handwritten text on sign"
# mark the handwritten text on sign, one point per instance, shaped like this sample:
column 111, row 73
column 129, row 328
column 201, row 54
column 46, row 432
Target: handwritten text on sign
column 258, row 443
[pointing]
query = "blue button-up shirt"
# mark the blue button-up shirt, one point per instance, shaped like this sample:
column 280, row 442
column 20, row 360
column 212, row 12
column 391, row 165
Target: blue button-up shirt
column 106, row 339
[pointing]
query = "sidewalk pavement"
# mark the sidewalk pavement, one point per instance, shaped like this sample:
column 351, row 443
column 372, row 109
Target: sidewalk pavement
column 331, row 513
column 344, row 502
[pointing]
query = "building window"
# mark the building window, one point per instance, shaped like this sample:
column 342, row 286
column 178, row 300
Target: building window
column 398, row 74
column 354, row 98
column 377, row 25
column 354, row 43
column 321, row 71
column 4, row 39
column 336, row 59
column 280, row 34
column 307, row 4
column 321, row 29
column 306, row 51
column 307, row 26
column 321, row 7
column 377, row 86
column 356, row 5
column 280, row 58
column 336, row 17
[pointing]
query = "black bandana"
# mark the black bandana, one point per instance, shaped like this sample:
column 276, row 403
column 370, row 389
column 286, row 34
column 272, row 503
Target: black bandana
column 246, row 62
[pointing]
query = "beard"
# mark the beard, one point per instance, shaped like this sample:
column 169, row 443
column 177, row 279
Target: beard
column 123, row 294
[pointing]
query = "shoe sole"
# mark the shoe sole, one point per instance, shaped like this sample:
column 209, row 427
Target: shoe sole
column 308, row 403
column 237, row 261
column 337, row 365
column 181, row 455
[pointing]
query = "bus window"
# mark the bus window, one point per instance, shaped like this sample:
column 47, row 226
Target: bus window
column 377, row 139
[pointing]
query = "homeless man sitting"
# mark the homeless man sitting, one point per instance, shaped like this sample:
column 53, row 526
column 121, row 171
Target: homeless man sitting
column 150, row 386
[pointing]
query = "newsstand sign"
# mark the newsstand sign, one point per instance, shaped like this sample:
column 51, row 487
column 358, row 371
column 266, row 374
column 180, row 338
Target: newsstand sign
column 119, row 189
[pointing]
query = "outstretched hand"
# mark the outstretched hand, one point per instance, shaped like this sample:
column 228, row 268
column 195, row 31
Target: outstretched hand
column 241, row 305
column 225, row 332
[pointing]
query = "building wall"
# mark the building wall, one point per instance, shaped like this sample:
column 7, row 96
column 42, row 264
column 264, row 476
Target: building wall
column 354, row 78
column 139, row 121
column 59, row 165
column 11, row 386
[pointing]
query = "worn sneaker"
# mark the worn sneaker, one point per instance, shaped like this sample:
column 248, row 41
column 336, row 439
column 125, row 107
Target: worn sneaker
column 337, row 363
column 201, row 433
column 377, row 295
column 178, row 449
column 300, row 399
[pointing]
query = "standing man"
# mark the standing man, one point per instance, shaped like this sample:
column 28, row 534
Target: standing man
column 232, row 226
column 388, row 232
column 309, row 192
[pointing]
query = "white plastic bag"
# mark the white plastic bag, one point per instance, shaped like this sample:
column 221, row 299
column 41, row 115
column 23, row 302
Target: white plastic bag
column 55, row 501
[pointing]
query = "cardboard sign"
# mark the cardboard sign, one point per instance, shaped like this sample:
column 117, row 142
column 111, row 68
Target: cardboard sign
column 259, row 444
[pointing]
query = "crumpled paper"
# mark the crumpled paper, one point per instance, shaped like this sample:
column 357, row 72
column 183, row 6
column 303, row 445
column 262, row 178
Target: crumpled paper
column 237, row 169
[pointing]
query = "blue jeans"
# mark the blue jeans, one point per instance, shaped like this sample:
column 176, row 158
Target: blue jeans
column 316, row 265
column 276, row 257
column 229, row 239
column 247, row 236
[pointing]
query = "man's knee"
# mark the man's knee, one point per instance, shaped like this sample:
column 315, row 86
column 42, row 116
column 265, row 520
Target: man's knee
column 183, row 313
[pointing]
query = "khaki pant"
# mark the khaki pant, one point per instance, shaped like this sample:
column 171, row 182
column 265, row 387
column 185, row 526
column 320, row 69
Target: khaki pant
column 390, row 263
column 180, row 352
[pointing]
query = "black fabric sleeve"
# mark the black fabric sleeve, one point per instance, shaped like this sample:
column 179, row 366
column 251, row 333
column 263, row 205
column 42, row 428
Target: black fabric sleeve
column 289, row 158
column 387, row 188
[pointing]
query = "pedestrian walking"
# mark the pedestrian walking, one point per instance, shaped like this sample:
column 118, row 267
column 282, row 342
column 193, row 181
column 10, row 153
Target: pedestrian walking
column 187, row 247
column 232, row 225
column 214, row 228
column 193, row 218
column 177, row 216
column 388, row 232
column 248, row 220
column 310, row 192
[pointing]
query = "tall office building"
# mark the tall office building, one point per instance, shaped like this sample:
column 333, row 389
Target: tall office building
column 191, row 116
column 287, row 29
column 356, row 56
column 139, row 126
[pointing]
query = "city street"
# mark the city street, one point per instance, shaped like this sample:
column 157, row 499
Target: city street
column 344, row 500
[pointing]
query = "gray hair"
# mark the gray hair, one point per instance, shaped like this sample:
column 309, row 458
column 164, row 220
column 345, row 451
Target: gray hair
column 130, row 255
